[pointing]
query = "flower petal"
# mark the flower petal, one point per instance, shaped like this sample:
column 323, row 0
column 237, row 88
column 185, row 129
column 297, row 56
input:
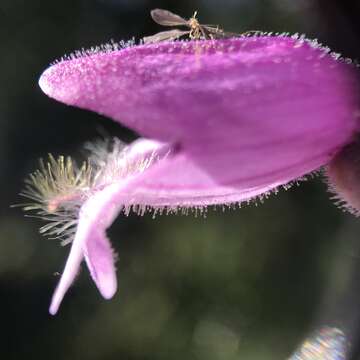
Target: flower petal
column 69, row 274
column 100, row 261
column 96, row 215
column 172, row 181
column 258, row 89
column 250, row 112
column 242, row 116
column 182, row 181
column 90, row 241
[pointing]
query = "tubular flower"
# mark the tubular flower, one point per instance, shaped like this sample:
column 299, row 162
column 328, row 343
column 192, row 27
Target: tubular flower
column 229, row 120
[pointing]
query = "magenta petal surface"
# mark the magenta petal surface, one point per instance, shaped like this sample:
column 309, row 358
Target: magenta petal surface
column 249, row 112
column 258, row 87
column 180, row 180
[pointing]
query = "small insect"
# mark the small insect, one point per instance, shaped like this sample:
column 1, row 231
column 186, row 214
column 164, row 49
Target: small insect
column 196, row 30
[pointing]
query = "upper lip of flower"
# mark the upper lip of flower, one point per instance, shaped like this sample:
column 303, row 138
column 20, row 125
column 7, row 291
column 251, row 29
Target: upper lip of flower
column 250, row 114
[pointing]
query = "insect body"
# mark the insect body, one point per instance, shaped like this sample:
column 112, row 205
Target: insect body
column 195, row 30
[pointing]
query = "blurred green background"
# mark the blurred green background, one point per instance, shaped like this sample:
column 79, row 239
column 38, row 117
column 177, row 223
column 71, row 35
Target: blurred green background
column 245, row 284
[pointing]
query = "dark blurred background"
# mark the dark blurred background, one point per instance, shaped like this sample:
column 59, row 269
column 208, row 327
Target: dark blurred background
column 239, row 284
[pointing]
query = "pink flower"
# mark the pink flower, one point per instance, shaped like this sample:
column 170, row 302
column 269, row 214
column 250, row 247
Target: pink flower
column 229, row 120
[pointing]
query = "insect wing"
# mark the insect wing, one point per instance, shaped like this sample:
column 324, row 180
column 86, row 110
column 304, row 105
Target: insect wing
column 167, row 18
column 217, row 33
column 164, row 35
